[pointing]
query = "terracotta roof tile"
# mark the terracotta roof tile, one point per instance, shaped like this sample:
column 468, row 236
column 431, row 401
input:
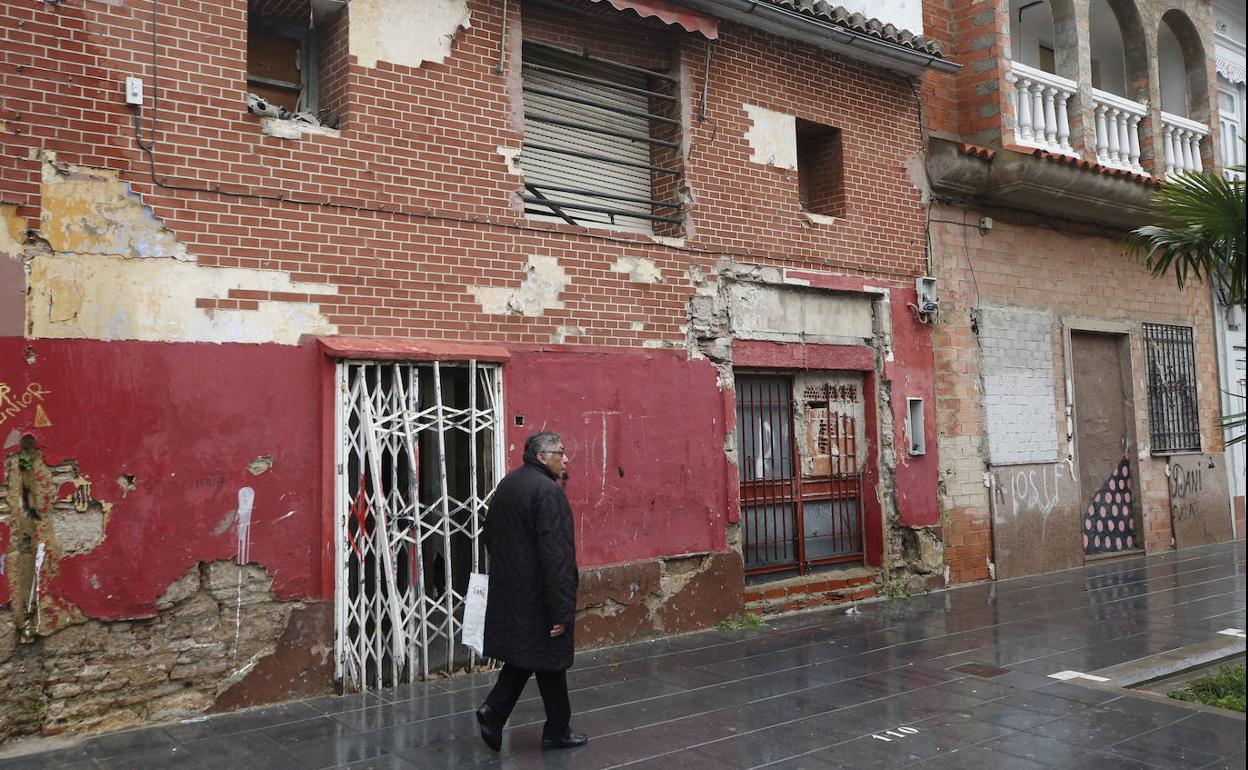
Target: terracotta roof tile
column 1087, row 165
column 863, row 25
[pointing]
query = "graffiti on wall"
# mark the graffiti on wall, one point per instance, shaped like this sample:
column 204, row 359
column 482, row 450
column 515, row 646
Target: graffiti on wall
column 1185, row 486
column 13, row 403
column 1028, row 490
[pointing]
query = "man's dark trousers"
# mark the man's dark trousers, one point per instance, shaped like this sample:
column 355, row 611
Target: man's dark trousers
column 554, row 686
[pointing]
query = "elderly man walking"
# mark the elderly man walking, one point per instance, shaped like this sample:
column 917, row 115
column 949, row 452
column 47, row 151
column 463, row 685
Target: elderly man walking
column 532, row 597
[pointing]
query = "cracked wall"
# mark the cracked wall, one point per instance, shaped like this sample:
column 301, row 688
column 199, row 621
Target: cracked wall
column 214, row 627
column 636, row 600
column 795, row 309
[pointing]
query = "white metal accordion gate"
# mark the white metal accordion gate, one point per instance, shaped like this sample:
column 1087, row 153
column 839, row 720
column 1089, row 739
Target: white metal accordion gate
column 418, row 453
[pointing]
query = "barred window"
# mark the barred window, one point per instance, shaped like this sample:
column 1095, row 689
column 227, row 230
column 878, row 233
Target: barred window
column 601, row 142
column 1174, row 420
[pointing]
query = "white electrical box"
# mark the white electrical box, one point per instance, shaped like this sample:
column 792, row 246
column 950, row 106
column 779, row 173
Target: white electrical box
column 915, row 427
column 925, row 288
column 134, row 91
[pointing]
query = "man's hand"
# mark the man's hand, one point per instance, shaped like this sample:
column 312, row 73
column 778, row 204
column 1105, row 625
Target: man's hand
column 556, row 630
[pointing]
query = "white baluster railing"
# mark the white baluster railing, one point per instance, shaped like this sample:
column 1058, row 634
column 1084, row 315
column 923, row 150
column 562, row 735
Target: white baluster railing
column 1180, row 141
column 1118, row 130
column 1040, row 108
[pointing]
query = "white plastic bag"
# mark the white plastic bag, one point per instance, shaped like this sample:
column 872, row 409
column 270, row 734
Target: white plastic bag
column 472, row 633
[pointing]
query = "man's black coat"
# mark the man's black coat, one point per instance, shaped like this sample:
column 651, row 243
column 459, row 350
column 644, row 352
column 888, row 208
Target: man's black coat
column 533, row 577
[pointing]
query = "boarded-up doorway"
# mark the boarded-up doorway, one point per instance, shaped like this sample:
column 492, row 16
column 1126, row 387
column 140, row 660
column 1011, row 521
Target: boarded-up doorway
column 1104, row 442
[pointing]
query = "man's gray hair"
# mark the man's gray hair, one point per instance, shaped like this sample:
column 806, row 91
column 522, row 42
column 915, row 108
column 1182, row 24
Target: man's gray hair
column 541, row 442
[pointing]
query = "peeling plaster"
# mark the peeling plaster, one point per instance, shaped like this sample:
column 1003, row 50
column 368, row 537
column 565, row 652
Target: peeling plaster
column 537, row 293
column 773, row 137
column 405, row 32
column 91, row 211
column 115, row 272
column 562, row 333
column 113, row 298
column 12, row 271
column 639, row 269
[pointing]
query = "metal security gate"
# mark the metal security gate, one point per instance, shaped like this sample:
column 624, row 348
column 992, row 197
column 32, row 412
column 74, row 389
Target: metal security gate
column 418, row 454
column 801, row 501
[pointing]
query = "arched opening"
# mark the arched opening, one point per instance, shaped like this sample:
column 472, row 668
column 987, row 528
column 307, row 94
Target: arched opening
column 1184, row 86
column 1181, row 68
column 1032, row 34
column 1119, row 74
column 1045, row 70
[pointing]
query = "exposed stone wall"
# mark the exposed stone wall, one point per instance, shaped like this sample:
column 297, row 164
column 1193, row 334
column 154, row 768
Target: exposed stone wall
column 214, row 625
column 635, row 600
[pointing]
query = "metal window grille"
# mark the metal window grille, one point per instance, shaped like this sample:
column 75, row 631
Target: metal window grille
column 1174, row 420
column 419, row 452
column 600, row 139
column 791, row 520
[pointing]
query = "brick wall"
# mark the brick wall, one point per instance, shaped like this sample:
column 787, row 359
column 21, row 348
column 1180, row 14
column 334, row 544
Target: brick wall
column 415, row 203
column 1032, row 263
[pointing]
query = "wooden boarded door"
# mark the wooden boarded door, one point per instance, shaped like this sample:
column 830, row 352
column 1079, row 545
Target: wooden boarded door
column 1104, row 420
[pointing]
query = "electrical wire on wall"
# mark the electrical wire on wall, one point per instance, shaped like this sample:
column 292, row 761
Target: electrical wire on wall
column 149, row 148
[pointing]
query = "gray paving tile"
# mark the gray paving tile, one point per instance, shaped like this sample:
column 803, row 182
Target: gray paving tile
column 1037, row 748
column 977, row 758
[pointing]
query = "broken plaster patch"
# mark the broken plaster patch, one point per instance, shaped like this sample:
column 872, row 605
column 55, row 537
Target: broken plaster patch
column 405, row 32
column 294, row 129
column 544, row 280
column 91, row 211
column 772, row 137
column 116, row 272
column 639, row 269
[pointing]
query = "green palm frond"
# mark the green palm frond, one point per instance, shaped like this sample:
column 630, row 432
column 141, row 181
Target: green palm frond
column 1199, row 233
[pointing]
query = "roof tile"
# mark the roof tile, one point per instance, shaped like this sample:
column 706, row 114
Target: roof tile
column 863, row 25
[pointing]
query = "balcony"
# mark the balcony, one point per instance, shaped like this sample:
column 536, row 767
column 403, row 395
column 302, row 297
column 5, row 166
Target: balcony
column 1118, row 130
column 1180, row 141
column 1040, row 107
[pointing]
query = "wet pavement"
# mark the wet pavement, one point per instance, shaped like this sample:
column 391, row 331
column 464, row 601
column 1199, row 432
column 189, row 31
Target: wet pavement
column 955, row 679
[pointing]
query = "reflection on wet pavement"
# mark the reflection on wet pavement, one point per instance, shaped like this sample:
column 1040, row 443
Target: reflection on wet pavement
column 955, row 679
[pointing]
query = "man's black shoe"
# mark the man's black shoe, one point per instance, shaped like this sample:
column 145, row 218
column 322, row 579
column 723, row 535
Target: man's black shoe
column 491, row 728
column 570, row 740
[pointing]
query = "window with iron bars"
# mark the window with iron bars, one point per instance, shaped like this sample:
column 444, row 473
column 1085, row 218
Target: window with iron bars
column 1173, row 417
column 601, row 142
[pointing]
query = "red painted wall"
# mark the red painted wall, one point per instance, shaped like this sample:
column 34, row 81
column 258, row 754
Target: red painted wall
column 645, row 438
column 185, row 420
column 912, row 376
column 645, row 432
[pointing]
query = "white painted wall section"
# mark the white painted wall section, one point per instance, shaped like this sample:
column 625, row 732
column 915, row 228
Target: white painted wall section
column 772, row 137
column 405, row 32
column 1020, row 403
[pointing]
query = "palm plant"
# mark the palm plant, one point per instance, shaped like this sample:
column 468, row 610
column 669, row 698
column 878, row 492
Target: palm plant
column 1199, row 236
column 1199, row 233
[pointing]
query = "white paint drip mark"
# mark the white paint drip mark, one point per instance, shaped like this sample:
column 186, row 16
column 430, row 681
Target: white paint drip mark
column 246, row 500
column 286, row 516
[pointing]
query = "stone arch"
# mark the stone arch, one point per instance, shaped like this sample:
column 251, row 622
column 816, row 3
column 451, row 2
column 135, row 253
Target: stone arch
column 1188, row 69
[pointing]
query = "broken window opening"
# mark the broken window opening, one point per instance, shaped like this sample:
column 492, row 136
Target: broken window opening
column 1173, row 417
column 799, row 465
column 601, row 142
column 296, row 60
column 418, row 457
column 820, row 169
